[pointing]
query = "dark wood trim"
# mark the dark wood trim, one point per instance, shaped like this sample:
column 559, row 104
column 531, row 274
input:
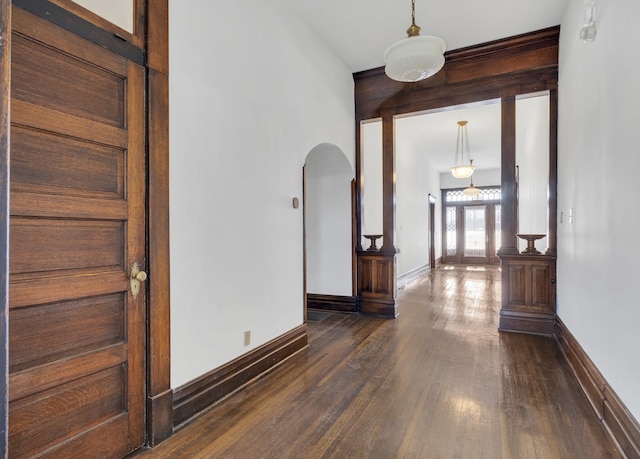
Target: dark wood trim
column 388, row 186
column 159, row 398
column 613, row 413
column 5, row 97
column 432, row 231
column 359, row 188
column 354, row 238
column 82, row 27
column 517, row 65
column 553, row 174
column 304, row 243
column 498, row 70
column 509, row 198
column 137, row 37
column 410, row 276
column 194, row 397
column 523, row 322
column 332, row 302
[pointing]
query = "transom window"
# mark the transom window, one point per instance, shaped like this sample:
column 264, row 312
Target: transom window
column 486, row 194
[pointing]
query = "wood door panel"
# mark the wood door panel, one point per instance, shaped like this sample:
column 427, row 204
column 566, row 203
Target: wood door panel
column 516, row 287
column 106, row 442
column 27, row 204
column 40, row 378
column 50, row 245
column 540, row 287
column 78, row 184
column 46, row 119
column 61, row 412
column 45, row 334
column 46, row 77
column 70, row 166
column 27, row 290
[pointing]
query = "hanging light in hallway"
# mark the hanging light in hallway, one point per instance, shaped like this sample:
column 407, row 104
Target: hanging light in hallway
column 416, row 57
column 471, row 190
column 463, row 167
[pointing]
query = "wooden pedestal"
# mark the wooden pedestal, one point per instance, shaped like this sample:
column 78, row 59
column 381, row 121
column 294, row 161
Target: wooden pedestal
column 377, row 284
column 528, row 294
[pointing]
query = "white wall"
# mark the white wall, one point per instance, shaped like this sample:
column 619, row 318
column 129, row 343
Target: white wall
column 252, row 91
column 598, row 161
column 119, row 12
column 532, row 158
column 371, row 145
column 328, row 177
column 416, row 178
column 481, row 177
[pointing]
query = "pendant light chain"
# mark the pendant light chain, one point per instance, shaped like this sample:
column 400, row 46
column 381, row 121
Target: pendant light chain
column 413, row 12
column 413, row 30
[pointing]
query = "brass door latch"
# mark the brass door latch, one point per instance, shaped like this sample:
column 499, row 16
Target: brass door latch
column 137, row 276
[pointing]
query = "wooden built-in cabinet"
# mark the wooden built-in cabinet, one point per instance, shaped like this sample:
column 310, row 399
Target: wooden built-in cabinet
column 528, row 294
column 377, row 283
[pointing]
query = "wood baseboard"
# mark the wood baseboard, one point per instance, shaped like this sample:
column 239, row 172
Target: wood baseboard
column 160, row 417
column 378, row 307
column 520, row 322
column 332, row 302
column 407, row 278
column 620, row 423
column 194, row 397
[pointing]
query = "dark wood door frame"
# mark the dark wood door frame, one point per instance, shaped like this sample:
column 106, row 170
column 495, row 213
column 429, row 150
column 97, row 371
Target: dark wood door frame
column 5, row 65
column 151, row 36
column 459, row 257
column 432, row 231
column 497, row 70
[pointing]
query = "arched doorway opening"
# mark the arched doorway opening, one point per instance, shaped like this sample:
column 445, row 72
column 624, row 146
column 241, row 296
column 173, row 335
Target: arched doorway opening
column 329, row 230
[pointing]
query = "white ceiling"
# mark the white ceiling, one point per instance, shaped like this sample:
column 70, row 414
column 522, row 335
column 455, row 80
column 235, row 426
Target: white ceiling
column 435, row 134
column 359, row 31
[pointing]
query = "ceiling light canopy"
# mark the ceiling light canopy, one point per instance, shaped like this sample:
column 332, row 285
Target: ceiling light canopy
column 416, row 57
column 463, row 163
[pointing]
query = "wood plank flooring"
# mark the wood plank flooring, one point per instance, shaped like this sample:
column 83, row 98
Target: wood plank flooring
column 438, row 382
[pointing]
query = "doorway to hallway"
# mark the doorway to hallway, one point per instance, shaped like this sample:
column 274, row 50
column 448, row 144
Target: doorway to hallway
column 471, row 226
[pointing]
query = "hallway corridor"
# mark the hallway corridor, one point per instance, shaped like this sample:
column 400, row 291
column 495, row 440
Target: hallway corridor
column 438, row 382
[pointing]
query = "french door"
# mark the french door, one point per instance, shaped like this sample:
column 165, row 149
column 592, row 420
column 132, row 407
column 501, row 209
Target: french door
column 471, row 232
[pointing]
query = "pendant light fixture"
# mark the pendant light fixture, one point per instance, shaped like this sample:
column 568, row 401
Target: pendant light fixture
column 471, row 190
column 463, row 167
column 416, row 57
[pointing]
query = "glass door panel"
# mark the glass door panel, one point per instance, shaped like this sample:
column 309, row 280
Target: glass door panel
column 451, row 234
column 475, row 231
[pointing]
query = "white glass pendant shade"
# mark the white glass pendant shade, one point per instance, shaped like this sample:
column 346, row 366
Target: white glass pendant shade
column 414, row 58
column 471, row 190
column 462, row 171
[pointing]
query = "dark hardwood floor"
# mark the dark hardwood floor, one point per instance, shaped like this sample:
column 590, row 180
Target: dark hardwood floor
column 438, row 382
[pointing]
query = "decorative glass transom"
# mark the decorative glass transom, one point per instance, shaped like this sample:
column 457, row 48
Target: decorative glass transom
column 486, row 194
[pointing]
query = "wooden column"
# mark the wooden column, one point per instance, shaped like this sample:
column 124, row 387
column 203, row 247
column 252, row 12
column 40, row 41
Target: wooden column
column 5, row 86
column 377, row 268
column 388, row 186
column 553, row 174
column 509, row 201
column 160, row 395
column 528, row 280
column 359, row 188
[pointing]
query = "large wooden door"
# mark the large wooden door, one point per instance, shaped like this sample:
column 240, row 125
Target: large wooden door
column 77, row 224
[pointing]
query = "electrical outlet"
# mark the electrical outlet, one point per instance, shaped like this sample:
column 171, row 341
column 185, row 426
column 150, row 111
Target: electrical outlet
column 247, row 337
